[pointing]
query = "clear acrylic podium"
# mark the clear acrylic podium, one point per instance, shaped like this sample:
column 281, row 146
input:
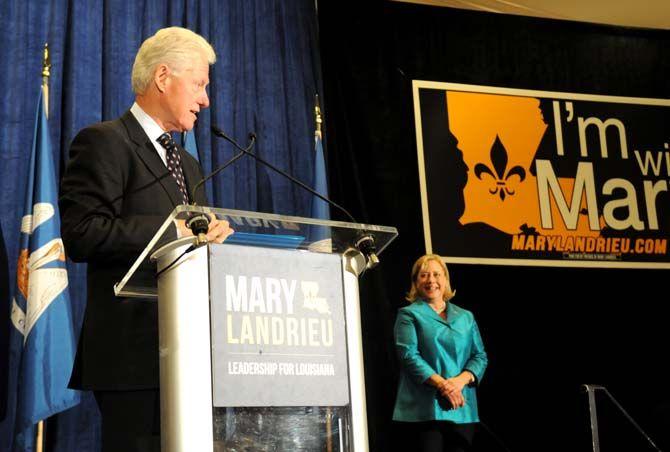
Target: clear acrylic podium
column 227, row 380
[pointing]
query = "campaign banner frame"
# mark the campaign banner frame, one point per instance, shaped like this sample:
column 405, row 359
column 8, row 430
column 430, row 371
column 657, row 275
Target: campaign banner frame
column 499, row 169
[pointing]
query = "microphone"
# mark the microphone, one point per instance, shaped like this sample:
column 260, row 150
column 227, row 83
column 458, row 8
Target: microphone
column 252, row 136
column 365, row 243
column 199, row 223
column 227, row 164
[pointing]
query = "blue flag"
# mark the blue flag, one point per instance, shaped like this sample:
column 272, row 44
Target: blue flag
column 319, row 206
column 188, row 143
column 42, row 339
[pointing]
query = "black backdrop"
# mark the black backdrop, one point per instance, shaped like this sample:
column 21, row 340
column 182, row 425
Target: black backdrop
column 547, row 330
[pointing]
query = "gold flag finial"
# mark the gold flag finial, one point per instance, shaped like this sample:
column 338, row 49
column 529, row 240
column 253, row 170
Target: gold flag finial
column 317, row 116
column 46, row 73
column 46, row 64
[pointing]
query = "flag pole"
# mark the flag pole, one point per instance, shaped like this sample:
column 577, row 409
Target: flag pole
column 318, row 120
column 40, row 436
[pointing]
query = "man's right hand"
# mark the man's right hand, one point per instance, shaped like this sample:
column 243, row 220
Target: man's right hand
column 217, row 232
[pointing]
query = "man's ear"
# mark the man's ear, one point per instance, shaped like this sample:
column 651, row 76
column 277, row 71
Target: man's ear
column 160, row 77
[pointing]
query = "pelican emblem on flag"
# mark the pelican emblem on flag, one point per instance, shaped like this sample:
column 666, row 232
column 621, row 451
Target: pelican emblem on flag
column 38, row 282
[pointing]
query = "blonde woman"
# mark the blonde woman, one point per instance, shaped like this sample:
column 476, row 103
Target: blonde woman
column 442, row 359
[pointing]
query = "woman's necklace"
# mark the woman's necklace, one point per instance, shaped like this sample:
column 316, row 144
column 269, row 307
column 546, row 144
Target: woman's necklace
column 441, row 309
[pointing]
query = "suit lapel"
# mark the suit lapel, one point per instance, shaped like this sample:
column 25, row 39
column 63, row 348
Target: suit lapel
column 147, row 153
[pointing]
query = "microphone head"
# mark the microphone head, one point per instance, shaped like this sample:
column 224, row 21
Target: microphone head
column 252, row 136
column 366, row 245
column 218, row 132
column 198, row 224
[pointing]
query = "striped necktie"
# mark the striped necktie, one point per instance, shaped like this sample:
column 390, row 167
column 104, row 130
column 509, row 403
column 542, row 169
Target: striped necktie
column 174, row 163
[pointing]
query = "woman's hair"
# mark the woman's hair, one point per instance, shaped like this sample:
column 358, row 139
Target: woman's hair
column 175, row 46
column 421, row 264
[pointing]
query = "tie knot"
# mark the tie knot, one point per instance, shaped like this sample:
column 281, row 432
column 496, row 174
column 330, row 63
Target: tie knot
column 166, row 141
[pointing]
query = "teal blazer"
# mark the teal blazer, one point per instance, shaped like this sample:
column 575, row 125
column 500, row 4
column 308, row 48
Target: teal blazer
column 427, row 344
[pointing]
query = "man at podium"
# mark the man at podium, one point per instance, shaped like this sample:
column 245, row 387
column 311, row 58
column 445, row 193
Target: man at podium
column 123, row 179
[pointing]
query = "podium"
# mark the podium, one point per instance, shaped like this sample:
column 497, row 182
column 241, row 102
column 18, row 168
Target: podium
column 260, row 344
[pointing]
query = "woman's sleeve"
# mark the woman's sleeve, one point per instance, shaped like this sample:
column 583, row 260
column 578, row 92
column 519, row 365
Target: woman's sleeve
column 478, row 360
column 407, row 348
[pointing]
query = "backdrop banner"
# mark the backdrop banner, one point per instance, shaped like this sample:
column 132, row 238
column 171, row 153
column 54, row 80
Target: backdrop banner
column 522, row 177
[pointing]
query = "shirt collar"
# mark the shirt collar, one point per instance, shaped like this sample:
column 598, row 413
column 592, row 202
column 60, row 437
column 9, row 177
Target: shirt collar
column 151, row 129
column 148, row 124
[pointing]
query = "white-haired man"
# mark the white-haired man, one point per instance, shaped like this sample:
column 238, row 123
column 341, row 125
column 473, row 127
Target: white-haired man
column 122, row 180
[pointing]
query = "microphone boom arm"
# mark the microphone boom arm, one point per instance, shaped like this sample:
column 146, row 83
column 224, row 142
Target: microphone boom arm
column 222, row 167
column 364, row 244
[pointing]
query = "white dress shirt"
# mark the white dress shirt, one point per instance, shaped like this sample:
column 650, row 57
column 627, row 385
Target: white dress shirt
column 151, row 128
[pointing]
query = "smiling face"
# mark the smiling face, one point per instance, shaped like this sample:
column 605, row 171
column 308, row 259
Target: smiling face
column 431, row 282
column 185, row 95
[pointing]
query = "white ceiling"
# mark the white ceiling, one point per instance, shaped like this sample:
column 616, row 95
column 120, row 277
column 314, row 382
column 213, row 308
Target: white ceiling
column 630, row 13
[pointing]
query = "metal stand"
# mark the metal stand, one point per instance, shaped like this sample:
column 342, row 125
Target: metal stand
column 590, row 390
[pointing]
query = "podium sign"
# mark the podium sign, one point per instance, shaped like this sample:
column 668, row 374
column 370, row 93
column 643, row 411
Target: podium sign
column 278, row 329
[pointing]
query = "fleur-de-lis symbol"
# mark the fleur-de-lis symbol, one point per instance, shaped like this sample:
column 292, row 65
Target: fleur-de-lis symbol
column 501, row 178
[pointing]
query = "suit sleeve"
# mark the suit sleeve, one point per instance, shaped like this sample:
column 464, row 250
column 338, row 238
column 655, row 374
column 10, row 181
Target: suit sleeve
column 406, row 344
column 95, row 225
column 478, row 359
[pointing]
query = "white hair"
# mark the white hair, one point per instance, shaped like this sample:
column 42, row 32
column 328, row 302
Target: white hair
column 176, row 47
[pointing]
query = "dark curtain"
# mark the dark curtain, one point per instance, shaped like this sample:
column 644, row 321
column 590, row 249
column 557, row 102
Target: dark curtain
column 547, row 330
column 264, row 81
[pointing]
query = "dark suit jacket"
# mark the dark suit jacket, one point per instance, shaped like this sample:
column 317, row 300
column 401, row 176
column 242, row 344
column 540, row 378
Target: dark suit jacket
column 115, row 194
